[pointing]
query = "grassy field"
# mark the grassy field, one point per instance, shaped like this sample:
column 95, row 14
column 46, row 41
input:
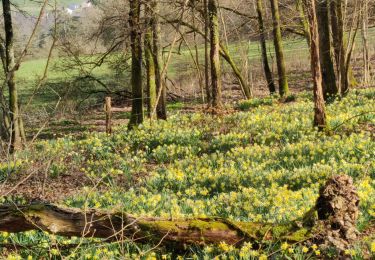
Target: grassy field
column 182, row 65
column 263, row 162
column 33, row 7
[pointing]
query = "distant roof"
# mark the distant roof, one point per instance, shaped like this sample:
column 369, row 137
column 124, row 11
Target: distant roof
column 73, row 6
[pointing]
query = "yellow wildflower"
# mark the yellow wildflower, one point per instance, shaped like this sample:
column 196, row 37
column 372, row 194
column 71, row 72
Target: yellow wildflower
column 373, row 247
column 284, row 246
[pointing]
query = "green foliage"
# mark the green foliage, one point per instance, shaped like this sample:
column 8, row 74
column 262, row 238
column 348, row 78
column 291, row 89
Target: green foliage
column 246, row 105
column 265, row 165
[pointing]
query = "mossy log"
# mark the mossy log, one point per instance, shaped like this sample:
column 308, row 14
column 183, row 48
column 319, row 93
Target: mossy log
column 114, row 226
column 333, row 220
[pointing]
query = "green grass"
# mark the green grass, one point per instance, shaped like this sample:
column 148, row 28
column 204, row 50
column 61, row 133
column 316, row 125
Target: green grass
column 32, row 7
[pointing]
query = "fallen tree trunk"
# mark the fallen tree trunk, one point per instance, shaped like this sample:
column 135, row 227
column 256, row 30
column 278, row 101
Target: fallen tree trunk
column 114, row 226
column 334, row 217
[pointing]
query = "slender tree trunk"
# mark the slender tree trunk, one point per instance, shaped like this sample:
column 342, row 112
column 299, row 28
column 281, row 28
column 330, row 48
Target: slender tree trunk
column 161, row 109
column 215, row 54
column 149, row 57
column 228, row 58
column 108, row 115
column 21, row 126
column 4, row 117
column 365, row 51
column 137, row 114
column 206, row 52
column 262, row 40
column 10, row 78
column 319, row 106
column 4, row 124
column 328, row 71
column 283, row 80
column 196, row 58
column 4, row 113
column 337, row 28
column 304, row 22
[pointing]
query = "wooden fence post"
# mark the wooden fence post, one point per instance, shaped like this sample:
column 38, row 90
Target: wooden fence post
column 108, row 115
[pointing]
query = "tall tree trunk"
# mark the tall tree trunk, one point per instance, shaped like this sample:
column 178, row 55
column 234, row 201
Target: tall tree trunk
column 283, row 80
column 215, row 54
column 196, row 58
column 365, row 51
column 10, row 78
column 262, row 40
column 161, row 109
column 304, row 22
column 319, row 106
column 206, row 51
column 149, row 56
column 337, row 27
column 137, row 114
column 328, row 71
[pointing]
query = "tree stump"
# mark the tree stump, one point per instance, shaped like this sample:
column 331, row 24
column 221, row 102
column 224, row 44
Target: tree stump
column 337, row 208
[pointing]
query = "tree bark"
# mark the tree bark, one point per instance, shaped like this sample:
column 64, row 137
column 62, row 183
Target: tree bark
column 216, row 84
column 365, row 50
column 337, row 28
column 161, row 109
column 4, row 117
column 262, row 41
column 137, row 114
column 196, row 50
column 116, row 226
column 304, row 22
column 244, row 86
column 328, row 71
column 15, row 135
column 319, row 106
column 149, row 57
column 283, row 80
column 206, row 52
column 108, row 115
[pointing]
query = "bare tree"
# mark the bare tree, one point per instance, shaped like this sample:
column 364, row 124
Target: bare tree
column 15, row 135
column 206, row 51
column 283, row 80
column 149, row 57
column 161, row 109
column 215, row 54
column 365, row 49
column 262, row 40
column 337, row 27
column 303, row 21
column 328, row 71
column 137, row 114
column 319, row 106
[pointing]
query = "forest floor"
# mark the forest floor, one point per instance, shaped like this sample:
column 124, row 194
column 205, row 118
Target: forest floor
column 261, row 160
